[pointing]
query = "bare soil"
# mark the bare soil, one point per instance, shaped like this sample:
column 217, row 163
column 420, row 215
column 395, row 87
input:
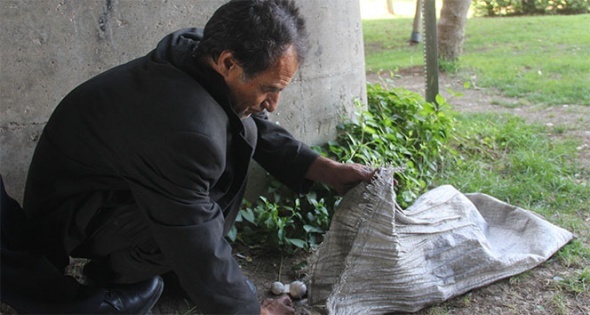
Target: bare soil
column 534, row 292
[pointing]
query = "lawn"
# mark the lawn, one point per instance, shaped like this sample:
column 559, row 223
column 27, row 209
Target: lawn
column 541, row 59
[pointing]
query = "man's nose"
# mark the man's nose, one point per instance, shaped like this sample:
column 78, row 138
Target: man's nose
column 272, row 102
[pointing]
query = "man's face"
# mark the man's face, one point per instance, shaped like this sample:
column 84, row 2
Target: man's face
column 261, row 92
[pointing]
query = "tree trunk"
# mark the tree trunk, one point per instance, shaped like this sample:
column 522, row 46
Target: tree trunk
column 451, row 28
column 415, row 37
column 390, row 7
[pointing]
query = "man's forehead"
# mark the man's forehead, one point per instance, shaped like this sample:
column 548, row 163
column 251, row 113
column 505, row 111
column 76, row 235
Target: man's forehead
column 280, row 73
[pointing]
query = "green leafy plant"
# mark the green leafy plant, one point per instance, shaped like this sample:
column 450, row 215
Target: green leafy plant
column 283, row 221
column 449, row 66
column 578, row 283
column 398, row 128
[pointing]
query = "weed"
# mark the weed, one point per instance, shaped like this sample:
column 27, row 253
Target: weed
column 574, row 254
column 517, row 279
column 577, row 283
column 560, row 303
column 398, row 129
column 449, row 66
column 438, row 310
column 559, row 130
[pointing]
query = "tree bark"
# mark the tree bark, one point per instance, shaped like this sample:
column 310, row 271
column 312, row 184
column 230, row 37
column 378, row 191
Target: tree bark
column 415, row 36
column 390, row 7
column 451, row 28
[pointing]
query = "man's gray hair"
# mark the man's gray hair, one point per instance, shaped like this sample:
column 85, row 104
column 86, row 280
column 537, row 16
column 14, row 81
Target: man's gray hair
column 257, row 32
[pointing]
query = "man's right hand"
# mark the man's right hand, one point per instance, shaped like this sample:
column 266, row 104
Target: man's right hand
column 280, row 306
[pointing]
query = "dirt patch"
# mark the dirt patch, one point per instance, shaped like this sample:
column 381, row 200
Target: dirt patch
column 259, row 266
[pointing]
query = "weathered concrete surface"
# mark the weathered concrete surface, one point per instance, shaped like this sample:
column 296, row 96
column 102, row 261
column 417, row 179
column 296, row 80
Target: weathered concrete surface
column 49, row 47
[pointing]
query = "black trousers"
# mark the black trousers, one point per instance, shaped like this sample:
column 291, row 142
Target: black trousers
column 121, row 247
column 29, row 281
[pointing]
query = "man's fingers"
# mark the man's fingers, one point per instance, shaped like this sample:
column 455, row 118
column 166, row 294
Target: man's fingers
column 280, row 306
column 285, row 300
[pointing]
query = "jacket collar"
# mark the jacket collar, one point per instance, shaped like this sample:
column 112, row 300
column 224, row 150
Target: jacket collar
column 178, row 49
column 214, row 83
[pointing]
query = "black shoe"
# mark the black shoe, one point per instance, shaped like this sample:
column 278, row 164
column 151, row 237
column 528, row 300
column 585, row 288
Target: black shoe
column 137, row 298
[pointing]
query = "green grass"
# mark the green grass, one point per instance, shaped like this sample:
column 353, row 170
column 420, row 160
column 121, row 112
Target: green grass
column 516, row 162
column 538, row 60
column 386, row 45
column 544, row 59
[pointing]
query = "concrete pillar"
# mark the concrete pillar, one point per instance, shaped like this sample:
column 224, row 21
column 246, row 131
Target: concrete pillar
column 49, row 47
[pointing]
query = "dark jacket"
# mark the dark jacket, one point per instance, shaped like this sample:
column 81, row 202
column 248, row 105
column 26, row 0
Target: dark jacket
column 159, row 131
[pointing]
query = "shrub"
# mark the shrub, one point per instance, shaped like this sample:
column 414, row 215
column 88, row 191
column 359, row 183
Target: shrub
column 398, row 129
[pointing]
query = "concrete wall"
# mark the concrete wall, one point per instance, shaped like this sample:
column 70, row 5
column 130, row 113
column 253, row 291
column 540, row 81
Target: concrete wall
column 49, row 47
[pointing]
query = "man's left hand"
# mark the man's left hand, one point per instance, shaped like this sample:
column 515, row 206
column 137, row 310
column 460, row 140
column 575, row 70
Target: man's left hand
column 340, row 176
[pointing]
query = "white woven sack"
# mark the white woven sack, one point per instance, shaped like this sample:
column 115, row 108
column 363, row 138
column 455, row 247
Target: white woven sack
column 377, row 258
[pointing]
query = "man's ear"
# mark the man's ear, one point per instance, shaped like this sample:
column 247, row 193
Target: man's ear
column 226, row 62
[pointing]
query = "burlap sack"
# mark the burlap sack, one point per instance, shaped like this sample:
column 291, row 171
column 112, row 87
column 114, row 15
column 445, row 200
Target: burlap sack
column 377, row 258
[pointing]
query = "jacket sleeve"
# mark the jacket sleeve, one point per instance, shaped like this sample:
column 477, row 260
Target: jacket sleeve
column 170, row 179
column 284, row 157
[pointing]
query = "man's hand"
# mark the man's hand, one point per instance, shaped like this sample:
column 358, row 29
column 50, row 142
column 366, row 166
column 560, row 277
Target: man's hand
column 339, row 176
column 280, row 306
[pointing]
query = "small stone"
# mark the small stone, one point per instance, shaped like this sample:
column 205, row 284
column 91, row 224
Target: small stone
column 297, row 289
column 277, row 288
